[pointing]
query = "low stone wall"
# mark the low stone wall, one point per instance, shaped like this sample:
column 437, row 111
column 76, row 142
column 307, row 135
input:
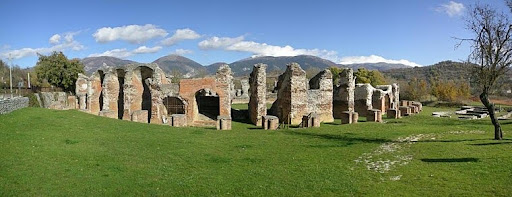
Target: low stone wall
column 9, row 105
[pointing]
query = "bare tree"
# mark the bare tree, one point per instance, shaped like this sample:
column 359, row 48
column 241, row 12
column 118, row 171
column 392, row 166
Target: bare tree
column 491, row 51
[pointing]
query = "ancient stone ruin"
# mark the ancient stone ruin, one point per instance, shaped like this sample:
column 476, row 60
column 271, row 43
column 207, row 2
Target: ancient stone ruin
column 142, row 93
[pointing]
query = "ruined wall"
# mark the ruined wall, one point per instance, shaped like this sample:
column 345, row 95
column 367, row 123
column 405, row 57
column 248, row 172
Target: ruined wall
column 320, row 96
column 257, row 101
column 155, row 83
column 110, row 88
column 94, row 93
column 132, row 92
column 12, row 104
column 245, row 88
column 396, row 95
column 223, row 85
column 291, row 95
column 343, row 96
column 363, row 98
column 81, row 88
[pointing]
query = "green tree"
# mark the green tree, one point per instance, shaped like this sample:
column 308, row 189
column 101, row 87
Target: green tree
column 373, row 77
column 58, row 70
column 335, row 74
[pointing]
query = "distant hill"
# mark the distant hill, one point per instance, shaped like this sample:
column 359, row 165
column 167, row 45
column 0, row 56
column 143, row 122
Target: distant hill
column 187, row 67
column 92, row 64
column 212, row 68
column 381, row 66
column 446, row 70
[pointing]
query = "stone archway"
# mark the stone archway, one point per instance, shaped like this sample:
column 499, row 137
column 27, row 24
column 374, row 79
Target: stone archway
column 207, row 103
column 174, row 105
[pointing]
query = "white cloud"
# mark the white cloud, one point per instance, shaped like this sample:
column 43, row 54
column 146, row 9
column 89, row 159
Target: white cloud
column 182, row 51
column 180, row 35
column 262, row 49
column 452, row 8
column 55, row 39
column 124, row 53
column 131, row 33
column 69, row 43
column 144, row 49
column 374, row 59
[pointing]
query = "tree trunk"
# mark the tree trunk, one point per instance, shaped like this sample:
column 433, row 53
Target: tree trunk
column 484, row 97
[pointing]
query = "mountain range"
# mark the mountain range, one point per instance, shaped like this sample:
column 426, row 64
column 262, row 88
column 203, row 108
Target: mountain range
column 190, row 68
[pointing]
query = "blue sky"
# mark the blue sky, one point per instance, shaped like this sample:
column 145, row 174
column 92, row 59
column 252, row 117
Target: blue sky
column 414, row 32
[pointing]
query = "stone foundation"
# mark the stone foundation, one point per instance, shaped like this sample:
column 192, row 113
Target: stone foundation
column 374, row 115
column 223, row 123
column 270, row 122
column 393, row 113
column 178, row 120
column 140, row 116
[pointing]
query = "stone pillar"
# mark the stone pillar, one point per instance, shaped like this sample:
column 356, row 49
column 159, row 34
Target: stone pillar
column 363, row 94
column 320, row 96
column 133, row 90
column 178, row 120
column 140, row 116
column 245, row 88
column 395, row 89
column 291, row 103
column 270, row 122
column 223, row 122
column 126, row 114
column 374, row 115
column 258, row 99
column 378, row 100
column 418, row 104
column 393, row 113
column 355, row 117
column 414, row 109
column 404, row 103
column 346, row 117
column 72, row 102
column 404, row 110
column 223, row 83
column 94, row 92
column 81, row 90
column 343, row 95
column 110, row 88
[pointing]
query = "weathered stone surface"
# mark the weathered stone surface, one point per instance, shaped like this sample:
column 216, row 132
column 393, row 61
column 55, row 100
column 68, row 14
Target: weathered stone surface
column 374, row 115
column 127, row 115
column 245, row 88
column 404, row 110
column 291, row 103
column 140, row 116
column 223, row 84
column 258, row 100
column 393, row 113
column 81, row 89
column 270, row 122
column 320, row 96
column 404, row 103
column 72, row 102
column 310, row 120
column 178, row 120
column 9, row 105
column 110, row 88
column 343, row 95
column 414, row 109
column 417, row 104
column 355, row 117
column 396, row 95
column 346, row 117
column 108, row 113
column 54, row 100
column 223, row 122
column 94, row 93
column 363, row 99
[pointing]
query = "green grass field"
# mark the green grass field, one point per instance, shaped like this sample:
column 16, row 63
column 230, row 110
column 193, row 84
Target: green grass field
column 70, row 153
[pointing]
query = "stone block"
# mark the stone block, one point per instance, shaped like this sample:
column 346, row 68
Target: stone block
column 346, row 117
column 404, row 111
column 72, row 102
column 223, row 123
column 355, row 117
column 393, row 113
column 108, row 114
column 178, row 120
column 126, row 114
column 404, row 103
column 310, row 120
column 270, row 122
column 140, row 116
column 414, row 109
column 418, row 104
column 374, row 115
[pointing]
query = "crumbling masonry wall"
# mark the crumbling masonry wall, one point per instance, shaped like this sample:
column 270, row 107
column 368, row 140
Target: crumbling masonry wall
column 363, row 98
column 320, row 96
column 257, row 100
column 343, row 96
column 291, row 103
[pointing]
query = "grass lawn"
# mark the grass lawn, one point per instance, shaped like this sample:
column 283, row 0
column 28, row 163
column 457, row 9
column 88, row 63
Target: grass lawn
column 70, row 153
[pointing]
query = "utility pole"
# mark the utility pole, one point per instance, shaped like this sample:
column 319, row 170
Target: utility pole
column 10, row 73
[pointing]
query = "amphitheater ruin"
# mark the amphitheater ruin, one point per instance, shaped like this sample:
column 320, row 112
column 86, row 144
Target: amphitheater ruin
column 143, row 93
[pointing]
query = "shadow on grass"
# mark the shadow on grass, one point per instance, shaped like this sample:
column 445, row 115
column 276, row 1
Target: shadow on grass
column 451, row 160
column 491, row 143
column 347, row 139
